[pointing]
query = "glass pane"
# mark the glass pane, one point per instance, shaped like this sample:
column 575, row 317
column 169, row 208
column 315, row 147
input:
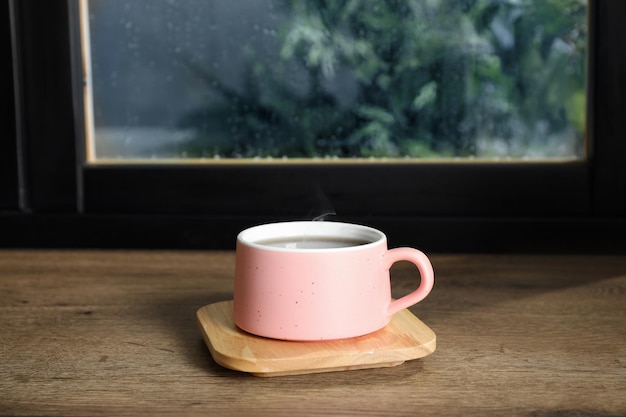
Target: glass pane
column 335, row 79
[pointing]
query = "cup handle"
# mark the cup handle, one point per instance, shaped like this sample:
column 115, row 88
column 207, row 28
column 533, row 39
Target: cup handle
column 427, row 276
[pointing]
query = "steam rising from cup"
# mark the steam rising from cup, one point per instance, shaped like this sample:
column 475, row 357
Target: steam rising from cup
column 325, row 207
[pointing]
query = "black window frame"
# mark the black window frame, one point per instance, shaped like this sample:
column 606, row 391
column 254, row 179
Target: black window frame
column 51, row 197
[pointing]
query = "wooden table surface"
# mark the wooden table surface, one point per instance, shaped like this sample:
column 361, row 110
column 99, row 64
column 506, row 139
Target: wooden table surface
column 114, row 333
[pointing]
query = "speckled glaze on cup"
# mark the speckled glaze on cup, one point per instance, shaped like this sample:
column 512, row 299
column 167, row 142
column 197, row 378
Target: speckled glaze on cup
column 319, row 294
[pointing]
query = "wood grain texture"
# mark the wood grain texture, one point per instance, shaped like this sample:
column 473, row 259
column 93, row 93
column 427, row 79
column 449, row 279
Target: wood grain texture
column 114, row 333
column 405, row 338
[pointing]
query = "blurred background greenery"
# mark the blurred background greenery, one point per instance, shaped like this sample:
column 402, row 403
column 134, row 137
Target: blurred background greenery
column 404, row 78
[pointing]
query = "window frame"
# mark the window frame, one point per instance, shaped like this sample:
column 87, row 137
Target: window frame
column 468, row 206
column 9, row 198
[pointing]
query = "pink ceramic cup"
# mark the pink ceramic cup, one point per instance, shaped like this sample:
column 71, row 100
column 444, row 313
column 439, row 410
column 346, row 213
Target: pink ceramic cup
column 312, row 281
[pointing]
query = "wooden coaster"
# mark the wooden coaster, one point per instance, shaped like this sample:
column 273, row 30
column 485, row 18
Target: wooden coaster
column 404, row 338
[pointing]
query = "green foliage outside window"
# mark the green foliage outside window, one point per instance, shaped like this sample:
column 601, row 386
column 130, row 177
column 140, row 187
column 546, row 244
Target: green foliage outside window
column 428, row 78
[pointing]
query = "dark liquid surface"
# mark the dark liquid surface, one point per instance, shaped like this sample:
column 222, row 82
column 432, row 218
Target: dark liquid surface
column 318, row 242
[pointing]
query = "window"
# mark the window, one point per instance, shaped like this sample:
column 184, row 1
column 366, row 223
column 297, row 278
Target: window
column 329, row 80
column 528, row 205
